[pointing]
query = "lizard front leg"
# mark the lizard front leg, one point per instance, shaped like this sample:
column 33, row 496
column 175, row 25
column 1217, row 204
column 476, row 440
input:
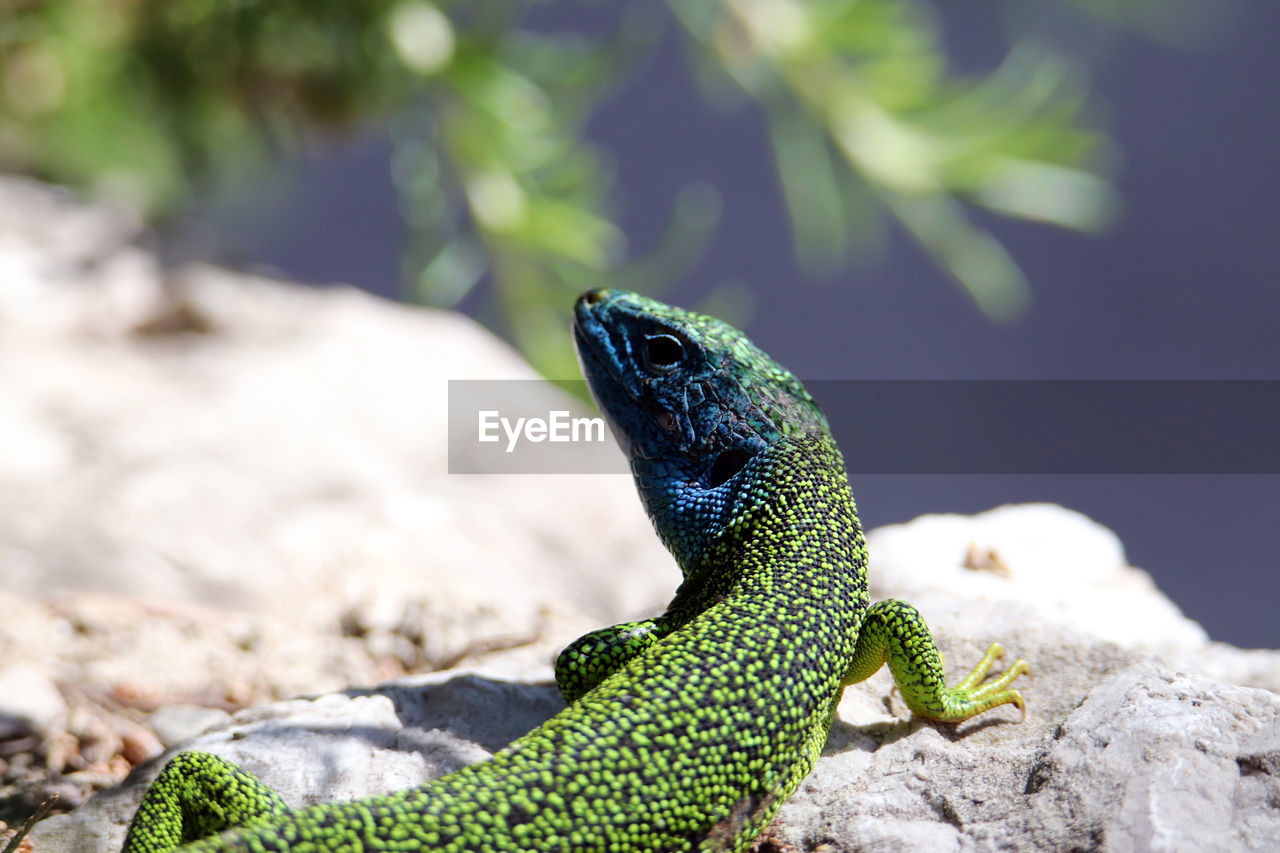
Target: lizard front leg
column 197, row 795
column 592, row 658
column 894, row 632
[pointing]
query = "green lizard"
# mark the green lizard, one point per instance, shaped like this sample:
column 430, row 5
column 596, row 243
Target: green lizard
column 686, row 731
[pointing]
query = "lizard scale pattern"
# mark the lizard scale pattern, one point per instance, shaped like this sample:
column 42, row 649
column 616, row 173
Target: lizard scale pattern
column 686, row 731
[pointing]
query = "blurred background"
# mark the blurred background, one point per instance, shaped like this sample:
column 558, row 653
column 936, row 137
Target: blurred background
column 873, row 189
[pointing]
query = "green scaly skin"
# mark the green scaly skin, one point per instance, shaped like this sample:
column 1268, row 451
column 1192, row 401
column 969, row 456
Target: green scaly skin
column 686, row 731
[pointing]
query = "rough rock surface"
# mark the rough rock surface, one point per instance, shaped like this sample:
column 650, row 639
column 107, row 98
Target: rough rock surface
column 218, row 490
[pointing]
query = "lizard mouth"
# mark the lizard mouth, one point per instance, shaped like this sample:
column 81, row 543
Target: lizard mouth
column 593, row 342
column 586, row 323
column 600, row 363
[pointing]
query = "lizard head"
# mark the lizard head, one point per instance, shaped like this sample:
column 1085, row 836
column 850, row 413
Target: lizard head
column 690, row 400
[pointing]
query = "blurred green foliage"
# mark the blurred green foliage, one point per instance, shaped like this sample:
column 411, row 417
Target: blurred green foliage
column 157, row 102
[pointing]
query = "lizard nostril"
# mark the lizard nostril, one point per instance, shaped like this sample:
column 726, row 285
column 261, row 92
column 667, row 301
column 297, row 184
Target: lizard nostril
column 594, row 295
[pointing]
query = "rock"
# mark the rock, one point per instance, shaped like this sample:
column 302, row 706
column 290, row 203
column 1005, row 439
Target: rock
column 175, row 489
column 1117, row 752
column 220, row 490
column 338, row 746
column 1150, row 760
column 174, row 724
column 29, row 702
column 1158, row 760
column 139, row 744
column 1088, row 585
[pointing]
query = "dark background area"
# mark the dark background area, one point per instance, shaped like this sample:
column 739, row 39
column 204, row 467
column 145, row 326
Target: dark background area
column 1183, row 286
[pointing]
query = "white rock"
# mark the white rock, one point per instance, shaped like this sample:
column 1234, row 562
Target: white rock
column 174, row 724
column 1061, row 565
column 286, row 464
column 29, row 702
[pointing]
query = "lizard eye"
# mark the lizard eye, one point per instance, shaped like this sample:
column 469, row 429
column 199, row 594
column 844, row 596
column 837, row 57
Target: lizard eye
column 662, row 353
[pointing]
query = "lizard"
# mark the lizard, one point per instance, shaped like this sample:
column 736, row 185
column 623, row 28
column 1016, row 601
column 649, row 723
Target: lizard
column 685, row 731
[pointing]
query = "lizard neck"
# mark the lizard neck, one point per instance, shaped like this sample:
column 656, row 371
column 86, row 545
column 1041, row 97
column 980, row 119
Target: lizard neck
column 782, row 526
